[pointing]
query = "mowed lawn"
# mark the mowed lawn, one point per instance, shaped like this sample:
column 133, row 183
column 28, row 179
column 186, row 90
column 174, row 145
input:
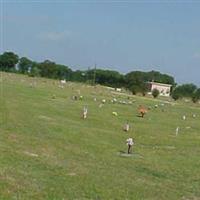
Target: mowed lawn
column 47, row 151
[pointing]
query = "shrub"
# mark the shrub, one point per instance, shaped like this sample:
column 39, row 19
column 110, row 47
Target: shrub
column 155, row 92
column 196, row 96
column 175, row 95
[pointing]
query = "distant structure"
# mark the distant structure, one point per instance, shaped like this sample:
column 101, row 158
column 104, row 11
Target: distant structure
column 142, row 110
column 164, row 89
column 118, row 89
column 85, row 111
column 177, row 130
column 126, row 127
column 129, row 143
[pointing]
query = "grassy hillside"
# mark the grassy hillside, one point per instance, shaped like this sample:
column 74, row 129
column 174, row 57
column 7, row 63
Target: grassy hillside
column 48, row 152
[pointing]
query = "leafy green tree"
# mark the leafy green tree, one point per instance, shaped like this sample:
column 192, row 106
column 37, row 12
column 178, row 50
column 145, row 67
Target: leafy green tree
column 155, row 92
column 136, row 82
column 188, row 89
column 185, row 90
column 34, row 71
column 159, row 77
column 8, row 60
column 196, row 96
column 63, row 72
column 105, row 77
column 79, row 76
column 52, row 70
column 48, row 69
column 24, row 65
column 175, row 95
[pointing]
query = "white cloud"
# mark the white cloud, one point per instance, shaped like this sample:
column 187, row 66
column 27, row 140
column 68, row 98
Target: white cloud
column 54, row 36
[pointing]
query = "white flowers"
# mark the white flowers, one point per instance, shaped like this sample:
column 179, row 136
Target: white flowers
column 115, row 113
column 129, row 141
column 177, row 130
column 85, row 111
column 126, row 127
column 103, row 101
column 62, row 81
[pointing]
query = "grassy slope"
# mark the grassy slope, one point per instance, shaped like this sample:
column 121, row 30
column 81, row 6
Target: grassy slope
column 49, row 152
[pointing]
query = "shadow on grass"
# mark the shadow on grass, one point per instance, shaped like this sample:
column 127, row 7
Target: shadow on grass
column 140, row 116
column 122, row 152
column 150, row 172
column 132, row 154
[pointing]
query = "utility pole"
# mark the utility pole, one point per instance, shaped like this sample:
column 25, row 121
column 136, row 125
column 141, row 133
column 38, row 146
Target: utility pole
column 87, row 75
column 94, row 77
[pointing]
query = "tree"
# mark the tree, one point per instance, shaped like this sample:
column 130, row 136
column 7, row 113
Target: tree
column 175, row 95
column 185, row 90
column 106, row 77
column 136, row 81
column 8, row 60
column 155, row 92
column 48, row 69
column 196, row 95
column 159, row 77
column 78, row 76
column 34, row 71
column 63, row 72
column 24, row 65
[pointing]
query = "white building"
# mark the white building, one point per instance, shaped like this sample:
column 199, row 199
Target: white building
column 164, row 89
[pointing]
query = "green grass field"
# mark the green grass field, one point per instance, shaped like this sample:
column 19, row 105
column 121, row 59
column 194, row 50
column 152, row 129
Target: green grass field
column 47, row 151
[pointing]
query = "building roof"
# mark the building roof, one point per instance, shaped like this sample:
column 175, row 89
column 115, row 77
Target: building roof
column 161, row 84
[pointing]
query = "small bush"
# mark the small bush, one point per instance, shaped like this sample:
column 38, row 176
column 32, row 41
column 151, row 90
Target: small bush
column 155, row 92
column 196, row 96
column 175, row 95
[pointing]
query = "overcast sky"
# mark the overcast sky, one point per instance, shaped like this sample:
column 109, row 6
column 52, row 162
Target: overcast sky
column 118, row 35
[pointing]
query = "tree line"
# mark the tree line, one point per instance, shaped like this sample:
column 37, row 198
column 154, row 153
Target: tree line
column 135, row 81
